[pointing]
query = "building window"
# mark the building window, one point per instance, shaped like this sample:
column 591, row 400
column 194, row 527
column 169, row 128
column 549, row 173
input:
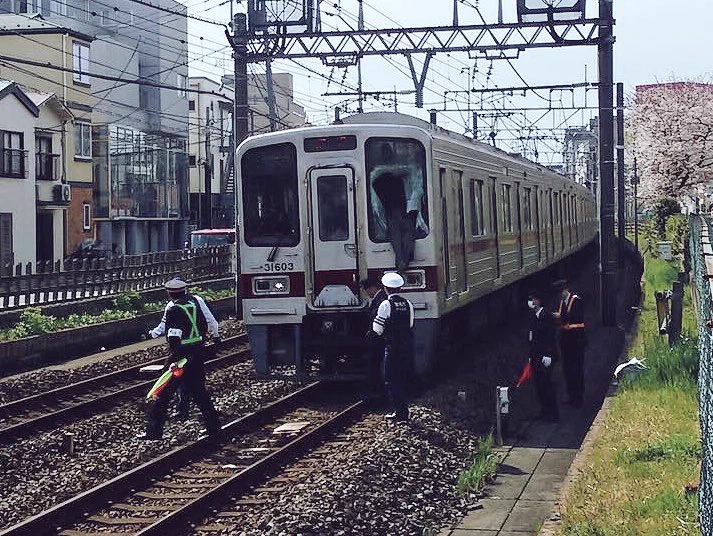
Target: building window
column 12, row 160
column 81, row 63
column 477, row 225
column 78, row 9
column 45, row 161
column 82, row 140
column 182, row 83
column 6, row 253
column 192, row 105
column 192, row 160
column 86, row 217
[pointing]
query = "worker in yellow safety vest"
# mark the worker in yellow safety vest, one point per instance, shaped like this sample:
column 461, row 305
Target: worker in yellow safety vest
column 572, row 342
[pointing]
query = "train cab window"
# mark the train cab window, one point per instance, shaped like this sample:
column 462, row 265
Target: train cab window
column 270, row 196
column 477, row 224
column 332, row 208
column 527, row 208
column 396, row 171
column 507, row 208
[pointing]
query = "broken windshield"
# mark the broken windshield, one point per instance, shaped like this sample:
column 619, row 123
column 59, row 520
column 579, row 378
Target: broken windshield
column 398, row 208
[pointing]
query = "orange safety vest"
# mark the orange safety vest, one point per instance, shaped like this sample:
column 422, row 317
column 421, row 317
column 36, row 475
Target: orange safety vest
column 569, row 326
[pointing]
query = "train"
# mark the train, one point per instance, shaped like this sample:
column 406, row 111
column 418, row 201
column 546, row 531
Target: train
column 320, row 208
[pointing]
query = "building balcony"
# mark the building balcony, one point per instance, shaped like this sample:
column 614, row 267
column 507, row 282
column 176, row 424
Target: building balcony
column 13, row 163
column 47, row 167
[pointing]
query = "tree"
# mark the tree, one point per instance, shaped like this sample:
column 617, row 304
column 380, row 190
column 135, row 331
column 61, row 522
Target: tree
column 672, row 128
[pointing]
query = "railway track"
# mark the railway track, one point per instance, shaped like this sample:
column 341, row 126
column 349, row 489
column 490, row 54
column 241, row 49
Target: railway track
column 35, row 412
column 173, row 492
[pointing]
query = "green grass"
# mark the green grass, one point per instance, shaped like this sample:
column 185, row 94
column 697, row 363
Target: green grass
column 483, row 466
column 650, row 445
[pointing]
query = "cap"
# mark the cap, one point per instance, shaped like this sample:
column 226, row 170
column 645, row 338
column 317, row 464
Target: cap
column 176, row 285
column 534, row 293
column 392, row 280
column 560, row 284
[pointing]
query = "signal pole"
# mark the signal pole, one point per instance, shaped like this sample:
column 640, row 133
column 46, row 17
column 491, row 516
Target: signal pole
column 240, row 55
column 607, row 251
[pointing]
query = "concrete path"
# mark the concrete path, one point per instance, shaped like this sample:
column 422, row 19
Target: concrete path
column 537, row 459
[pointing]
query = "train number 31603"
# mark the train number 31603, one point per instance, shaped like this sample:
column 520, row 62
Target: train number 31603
column 278, row 266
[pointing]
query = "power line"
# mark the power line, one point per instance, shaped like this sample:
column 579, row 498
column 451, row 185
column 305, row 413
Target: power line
column 186, row 15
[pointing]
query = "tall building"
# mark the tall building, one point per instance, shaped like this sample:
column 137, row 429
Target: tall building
column 210, row 157
column 139, row 132
column 33, row 171
column 581, row 155
column 210, row 147
column 31, row 39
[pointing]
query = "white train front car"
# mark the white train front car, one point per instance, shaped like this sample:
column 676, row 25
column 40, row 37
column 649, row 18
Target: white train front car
column 315, row 206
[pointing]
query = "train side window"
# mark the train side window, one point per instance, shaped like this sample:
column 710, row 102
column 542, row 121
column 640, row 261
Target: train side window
column 527, row 208
column 332, row 208
column 477, row 223
column 507, row 208
column 556, row 211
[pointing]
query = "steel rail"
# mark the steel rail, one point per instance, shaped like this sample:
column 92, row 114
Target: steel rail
column 54, row 519
column 81, row 388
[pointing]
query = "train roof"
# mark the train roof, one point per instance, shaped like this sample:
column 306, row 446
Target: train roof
column 407, row 122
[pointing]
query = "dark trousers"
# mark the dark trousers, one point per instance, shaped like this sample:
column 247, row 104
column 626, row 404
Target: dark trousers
column 572, row 347
column 396, row 370
column 193, row 382
column 183, row 406
column 545, row 389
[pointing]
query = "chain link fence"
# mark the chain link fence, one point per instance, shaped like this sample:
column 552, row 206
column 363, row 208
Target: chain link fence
column 698, row 237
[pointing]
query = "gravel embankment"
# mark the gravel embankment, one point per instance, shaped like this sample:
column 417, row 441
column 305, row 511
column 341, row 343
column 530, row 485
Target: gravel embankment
column 45, row 379
column 395, row 479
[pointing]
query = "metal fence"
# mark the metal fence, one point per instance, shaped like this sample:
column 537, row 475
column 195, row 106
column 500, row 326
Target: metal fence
column 89, row 278
column 700, row 251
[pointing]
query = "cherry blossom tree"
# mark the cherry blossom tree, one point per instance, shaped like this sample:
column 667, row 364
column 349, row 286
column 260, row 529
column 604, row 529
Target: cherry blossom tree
column 672, row 132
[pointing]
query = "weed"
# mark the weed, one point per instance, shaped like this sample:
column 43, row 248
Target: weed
column 484, row 465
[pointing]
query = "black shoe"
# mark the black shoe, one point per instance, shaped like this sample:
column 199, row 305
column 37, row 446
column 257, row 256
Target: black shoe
column 145, row 436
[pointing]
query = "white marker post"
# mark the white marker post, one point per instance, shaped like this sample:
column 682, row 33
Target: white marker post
column 502, row 409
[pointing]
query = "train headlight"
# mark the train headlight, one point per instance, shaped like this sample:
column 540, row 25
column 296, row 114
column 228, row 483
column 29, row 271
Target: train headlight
column 415, row 279
column 271, row 286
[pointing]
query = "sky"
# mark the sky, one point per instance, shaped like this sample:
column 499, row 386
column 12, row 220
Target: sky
column 655, row 41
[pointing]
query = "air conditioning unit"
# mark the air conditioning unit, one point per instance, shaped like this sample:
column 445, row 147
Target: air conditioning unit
column 62, row 193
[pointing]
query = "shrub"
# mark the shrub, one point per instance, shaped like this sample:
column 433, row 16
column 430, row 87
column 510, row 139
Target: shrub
column 664, row 208
column 676, row 230
column 129, row 301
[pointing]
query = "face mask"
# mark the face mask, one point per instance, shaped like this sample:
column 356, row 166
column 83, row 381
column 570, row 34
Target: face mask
column 531, row 304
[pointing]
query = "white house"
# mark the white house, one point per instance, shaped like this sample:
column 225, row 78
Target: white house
column 33, row 196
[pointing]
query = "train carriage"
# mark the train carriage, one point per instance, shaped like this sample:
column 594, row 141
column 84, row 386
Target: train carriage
column 321, row 208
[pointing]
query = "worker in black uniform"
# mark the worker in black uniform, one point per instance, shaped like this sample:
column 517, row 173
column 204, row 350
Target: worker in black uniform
column 542, row 351
column 394, row 321
column 186, row 330
column 572, row 341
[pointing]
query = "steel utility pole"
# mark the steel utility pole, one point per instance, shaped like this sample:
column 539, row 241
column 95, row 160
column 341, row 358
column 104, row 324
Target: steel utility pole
column 207, row 220
column 607, row 251
column 240, row 54
column 621, row 179
column 635, row 180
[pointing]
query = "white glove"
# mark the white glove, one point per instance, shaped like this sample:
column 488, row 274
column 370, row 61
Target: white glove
column 546, row 361
column 152, row 334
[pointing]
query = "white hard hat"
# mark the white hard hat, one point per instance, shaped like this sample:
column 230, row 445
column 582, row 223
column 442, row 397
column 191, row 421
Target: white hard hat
column 392, row 280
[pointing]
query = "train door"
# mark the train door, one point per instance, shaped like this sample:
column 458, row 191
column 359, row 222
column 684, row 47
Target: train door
column 495, row 223
column 518, row 208
column 444, row 212
column 538, row 224
column 334, row 239
column 458, row 237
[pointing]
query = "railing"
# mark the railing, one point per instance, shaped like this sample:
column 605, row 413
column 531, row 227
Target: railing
column 701, row 273
column 49, row 282
column 46, row 167
column 12, row 163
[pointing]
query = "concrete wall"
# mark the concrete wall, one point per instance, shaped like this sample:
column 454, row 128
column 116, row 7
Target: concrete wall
column 18, row 195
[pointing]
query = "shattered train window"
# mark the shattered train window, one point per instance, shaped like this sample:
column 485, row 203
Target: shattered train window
column 398, row 208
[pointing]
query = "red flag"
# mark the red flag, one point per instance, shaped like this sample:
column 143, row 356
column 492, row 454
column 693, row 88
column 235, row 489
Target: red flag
column 525, row 375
